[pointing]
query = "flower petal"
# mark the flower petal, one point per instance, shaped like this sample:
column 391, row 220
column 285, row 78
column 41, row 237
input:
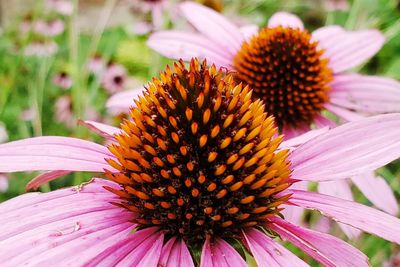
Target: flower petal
column 107, row 131
column 368, row 94
column 286, row 20
column 44, row 178
column 322, row 121
column 328, row 35
column 326, row 249
column 301, row 139
column 340, row 189
column 365, row 218
column 378, row 191
column 349, row 49
column 249, row 31
column 343, row 113
column 53, row 153
column 341, row 153
column 269, row 253
column 122, row 101
column 175, row 253
column 220, row 254
column 213, row 25
column 183, row 45
column 69, row 225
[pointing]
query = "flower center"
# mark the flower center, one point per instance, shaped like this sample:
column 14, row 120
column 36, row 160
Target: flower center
column 285, row 69
column 199, row 157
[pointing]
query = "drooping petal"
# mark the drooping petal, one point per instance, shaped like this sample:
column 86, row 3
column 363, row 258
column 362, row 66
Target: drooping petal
column 249, row 31
column 350, row 49
column 122, row 101
column 340, row 189
column 368, row 94
column 360, row 216
column 183, row 45
column 53, row 153
column 213, row 25
column 344, row 113
column 301, row 139
column 341, row 152
column 68, row 226
column 326, row 249
column 378, row 191
column 44, row 178
column 286, row 20
column 322, row 122
column 269, row 253
column 107, row 131
column 220, row 254
column 175, row 253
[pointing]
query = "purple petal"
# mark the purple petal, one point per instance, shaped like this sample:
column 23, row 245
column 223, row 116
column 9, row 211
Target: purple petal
column 249, row 31
column 53, row 153
column 67, row 226
column 220, row 254
column 348, row 49
column 368, row 94
column 328, row 35
column 378, row 191
column 213, row 25
column 343, row 113
column 326, row 249
column 322, row 122
column 44, row 178
column 175, row 253
column 350, row 149
column 122, row 101
column 269, row 253
column 182, row 45
column 360, row 216
column 291, row 132
column 107, row 131
column 286, row 20
column 301, row 139
column 340, row 189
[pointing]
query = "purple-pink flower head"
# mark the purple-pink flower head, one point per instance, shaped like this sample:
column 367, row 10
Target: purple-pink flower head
column 199, row 176
column 298, row 74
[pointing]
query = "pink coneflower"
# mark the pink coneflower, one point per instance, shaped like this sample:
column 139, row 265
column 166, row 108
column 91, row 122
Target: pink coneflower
column 155, row 7
column 41, row 48
column 49, row 28
column 114, row 78
column 63, row 112
column 63, row 80
column 197, row 171
column 96, row 65
column 63, row 7
column 296, row 73
column 336, row 5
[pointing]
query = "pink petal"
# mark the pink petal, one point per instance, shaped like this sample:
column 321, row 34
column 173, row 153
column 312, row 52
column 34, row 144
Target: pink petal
column 182, row 45
column 122, row 101
column 347, row 150
column 326, row 249
column 368, row 94
column 349, row 49
column 378, row 191
column 286, row 20
column 107, row 131
column 220, row 254
column 72, row 225
column 322, row 121
column 291, row 213
column 296, row 141
column 343, row 113
column 213, row 25
column 365, row 218
column 340, row 189
column 44, row 178
column 175, row 253
column 291, row 132
column 269, row 253
column 249, row 31
column 53, row 153
column 328, row 35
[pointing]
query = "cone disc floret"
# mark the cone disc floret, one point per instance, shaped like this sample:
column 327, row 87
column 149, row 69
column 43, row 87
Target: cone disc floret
column 285, row 68
column 199, row 157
